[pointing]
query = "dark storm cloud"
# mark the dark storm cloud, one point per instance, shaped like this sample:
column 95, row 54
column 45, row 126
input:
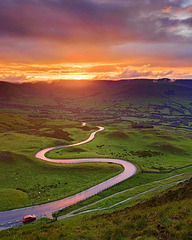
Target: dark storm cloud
column 114, row 21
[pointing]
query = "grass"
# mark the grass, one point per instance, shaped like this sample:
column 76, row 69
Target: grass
column 167, row 216
column 159, row 153
column 44, row 182
column 153, row 164
column 124, row 195
column 13, row 198
column 35, row 181
column 154, row 150
column 48, row 181
column 136, row 184
column 117, row 135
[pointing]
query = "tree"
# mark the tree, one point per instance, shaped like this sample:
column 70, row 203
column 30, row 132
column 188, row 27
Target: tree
column 55, row 215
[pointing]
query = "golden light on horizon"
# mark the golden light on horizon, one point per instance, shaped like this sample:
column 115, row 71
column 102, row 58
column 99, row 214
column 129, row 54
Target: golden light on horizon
column 95, row 39
column 88, row 71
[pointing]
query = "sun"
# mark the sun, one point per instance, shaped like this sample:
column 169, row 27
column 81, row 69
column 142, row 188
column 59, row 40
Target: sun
column 78, row 76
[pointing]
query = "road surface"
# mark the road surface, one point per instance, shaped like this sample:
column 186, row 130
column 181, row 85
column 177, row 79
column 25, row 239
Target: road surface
column 14, row 217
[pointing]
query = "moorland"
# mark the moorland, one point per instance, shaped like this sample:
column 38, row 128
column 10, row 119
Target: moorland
column 147, row 123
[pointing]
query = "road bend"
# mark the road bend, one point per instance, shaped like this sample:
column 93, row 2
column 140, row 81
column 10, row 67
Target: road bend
column 14, row 217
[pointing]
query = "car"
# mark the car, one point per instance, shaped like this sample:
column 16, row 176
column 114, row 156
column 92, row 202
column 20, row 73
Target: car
column 29, row 218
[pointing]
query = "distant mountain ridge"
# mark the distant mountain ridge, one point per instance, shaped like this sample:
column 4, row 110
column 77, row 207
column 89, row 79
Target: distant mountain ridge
column 163, row 101
column 133, row 88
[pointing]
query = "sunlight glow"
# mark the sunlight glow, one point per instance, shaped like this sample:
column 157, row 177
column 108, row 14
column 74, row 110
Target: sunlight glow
column 88, row 71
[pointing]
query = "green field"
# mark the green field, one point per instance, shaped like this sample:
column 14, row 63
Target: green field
column 147, row 124
column 158, row 153
column 154, row 150
column 25, row 180
column 165, row 216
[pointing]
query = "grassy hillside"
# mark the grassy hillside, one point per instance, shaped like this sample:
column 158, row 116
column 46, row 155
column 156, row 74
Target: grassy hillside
column 147, row 123
column 167, row 216
column 25, row 180
column 135, row 103
column 159, row 154
column 158, row 150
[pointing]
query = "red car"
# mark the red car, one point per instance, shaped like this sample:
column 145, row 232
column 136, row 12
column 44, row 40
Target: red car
column 29, row 218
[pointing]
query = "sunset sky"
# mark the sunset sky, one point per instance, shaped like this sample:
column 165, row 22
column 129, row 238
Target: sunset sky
column 95, row 39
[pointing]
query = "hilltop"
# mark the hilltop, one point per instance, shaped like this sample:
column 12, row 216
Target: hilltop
column 154, row 103
column 136, row 88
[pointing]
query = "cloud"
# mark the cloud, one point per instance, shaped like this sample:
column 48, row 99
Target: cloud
column 88, row 21
column 112, row 71
column 132, row 72
column 45, row 31
column 13, row 78
column 102, row 68
column 142, row 73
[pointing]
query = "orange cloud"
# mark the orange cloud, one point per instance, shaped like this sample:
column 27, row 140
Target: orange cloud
column 88, row 39
column 114, row 71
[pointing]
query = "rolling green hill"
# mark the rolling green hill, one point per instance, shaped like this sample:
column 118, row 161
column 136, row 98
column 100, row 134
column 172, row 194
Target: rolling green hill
column 148, row 123
column 167, row 216
column 135, row 102
column 25, row 180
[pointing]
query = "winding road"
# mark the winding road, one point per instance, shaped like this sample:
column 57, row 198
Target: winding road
column 14, row 217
